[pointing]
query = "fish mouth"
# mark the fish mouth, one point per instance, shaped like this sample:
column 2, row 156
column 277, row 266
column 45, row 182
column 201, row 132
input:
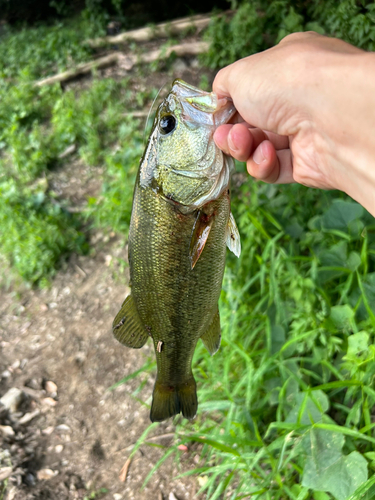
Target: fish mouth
column 200, row 107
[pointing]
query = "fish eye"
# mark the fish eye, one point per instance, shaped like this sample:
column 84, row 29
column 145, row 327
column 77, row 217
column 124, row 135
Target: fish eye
column 167, row 124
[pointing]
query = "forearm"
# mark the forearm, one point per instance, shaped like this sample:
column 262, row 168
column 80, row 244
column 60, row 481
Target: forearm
column 344, row 121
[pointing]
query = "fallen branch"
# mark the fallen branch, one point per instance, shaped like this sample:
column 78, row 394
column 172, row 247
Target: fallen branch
column 126, row 61
column 81, row 69
column 198, row 22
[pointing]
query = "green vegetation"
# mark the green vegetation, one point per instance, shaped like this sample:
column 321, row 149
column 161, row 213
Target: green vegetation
column 295, row 373
column 36, row 125
column 258, row 25
column 287, row 405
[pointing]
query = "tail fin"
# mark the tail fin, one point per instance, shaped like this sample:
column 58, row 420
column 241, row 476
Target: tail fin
column 169, row 400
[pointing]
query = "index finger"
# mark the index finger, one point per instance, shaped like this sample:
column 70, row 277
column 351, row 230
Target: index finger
column 222, row 83
column 237, row 118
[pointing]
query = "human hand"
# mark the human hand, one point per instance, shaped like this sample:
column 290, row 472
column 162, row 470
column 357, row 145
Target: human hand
column 305, row 113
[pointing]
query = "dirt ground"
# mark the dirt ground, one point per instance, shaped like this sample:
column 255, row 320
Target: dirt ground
column 68, row 437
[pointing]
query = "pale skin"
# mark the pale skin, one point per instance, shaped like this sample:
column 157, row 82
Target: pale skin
column 306, row 114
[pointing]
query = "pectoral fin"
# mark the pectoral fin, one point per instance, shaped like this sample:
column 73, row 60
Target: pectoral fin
column 211, row 338
column 202, row 228
column 127, row 326
column 233, row 236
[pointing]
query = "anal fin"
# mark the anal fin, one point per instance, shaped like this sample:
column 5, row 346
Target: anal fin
column 127, row 326
column 212, row 337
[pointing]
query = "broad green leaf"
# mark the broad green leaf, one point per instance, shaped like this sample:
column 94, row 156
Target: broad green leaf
column 327, row 469
column 341, row 213
column 364, row 492
column 354, row 261
column 342, row 316
column 358, row 345
column 306, row 408
column 369, row 289
column 320, row 495
column 277, row 337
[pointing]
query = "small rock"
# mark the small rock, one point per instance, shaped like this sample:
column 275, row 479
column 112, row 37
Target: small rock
column 5, row 472
column 6, row 374
column 6, row 430
column 50, row 387
column 12, row 399
column 11, row 494
column 29, row 479
column 108, row 260
column 16, row 365
column 29, row 416
column 45, row 474
column 25, row 327
column 63, row 428
column 52, row 305
column 59, row 448
column 179, row 66
column 80, row 358
column 172, row 496
column 23, row 363
column 44, row 307
column 49, row 402
column 194, row 63
column 117, row 496
column 33, row 383
column 48, row 430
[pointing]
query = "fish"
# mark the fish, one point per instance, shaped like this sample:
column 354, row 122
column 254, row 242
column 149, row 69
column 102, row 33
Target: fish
column 181, row 224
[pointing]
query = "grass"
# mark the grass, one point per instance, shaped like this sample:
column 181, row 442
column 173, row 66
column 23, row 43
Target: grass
column 37, row 231
column 295, row 373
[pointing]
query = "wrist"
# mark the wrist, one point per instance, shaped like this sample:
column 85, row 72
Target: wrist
column 347, row 124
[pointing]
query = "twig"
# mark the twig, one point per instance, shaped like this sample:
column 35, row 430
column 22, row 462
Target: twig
column 160, row 436
column 124, row 471
column 28, row 417
column 81, row 69
column 81, row 271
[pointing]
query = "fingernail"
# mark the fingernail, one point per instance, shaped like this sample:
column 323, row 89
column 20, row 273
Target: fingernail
column 231, row 145
column 258, row 155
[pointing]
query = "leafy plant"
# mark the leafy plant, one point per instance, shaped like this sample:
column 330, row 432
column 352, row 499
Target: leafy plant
column 35, row 233
column 286, row 404
column 258, row 25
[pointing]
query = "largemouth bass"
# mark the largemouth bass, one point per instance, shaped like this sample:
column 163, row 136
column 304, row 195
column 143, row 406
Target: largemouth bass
column 180, row 226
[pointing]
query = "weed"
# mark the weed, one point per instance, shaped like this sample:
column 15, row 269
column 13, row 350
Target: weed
column 258, row 25
column 286, row 404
